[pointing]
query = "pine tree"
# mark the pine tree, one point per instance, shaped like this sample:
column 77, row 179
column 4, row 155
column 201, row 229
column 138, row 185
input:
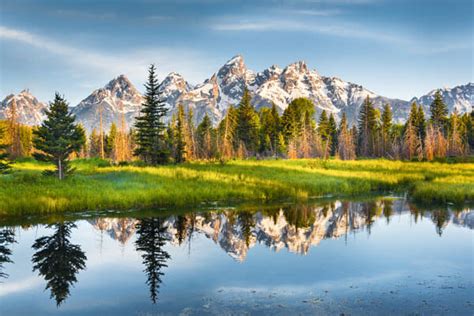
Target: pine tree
column 82, row 152
column 294, row 116
column 111, row 139
column 467, row 132
column 305, row 144
column 94, row 144
column 346, row 148
column 270, row 127
column 387, row 138
column 439, row 112
column 227, row 133
column 4, row 162
column 324, row 133
column 367, row 127
column 410, row 140
column 281, row 145
column 323, row 126
column 150, row 128
column 58, row 137
column 421, row 123
column 205, row 138
column 455, row 144
column 333, row 134
column 190, row 136
column 247, row 124
column 416, row 136
column 180, row 142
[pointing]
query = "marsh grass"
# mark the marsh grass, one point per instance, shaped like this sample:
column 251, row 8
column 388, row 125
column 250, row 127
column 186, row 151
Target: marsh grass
column 97, row 185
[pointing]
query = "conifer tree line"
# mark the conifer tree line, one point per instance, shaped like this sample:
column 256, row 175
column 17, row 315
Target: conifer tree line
column 244, row 132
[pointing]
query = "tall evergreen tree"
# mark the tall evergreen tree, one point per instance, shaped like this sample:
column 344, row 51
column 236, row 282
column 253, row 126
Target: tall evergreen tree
column 150, row 128
column 367, row 127
column 346, row 148
column 205, row 136
column 94, row 144
column 4, row 162
column 247, row 124
column 270, row 128
column 468, row 121
column 324, row 133
column 294, row 117
column 333, row 134
column 421, row 123
column 180, row 142
column 417, row 119
column 439, row 112
column 387, row 130
column 227, row 133
column 111, row 139
column 58, row 137
column 323, row 126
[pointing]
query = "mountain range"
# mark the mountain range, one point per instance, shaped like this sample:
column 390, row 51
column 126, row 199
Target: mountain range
column 225, row 87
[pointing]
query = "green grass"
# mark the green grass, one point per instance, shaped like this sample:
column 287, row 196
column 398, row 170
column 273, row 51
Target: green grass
column 99, row 186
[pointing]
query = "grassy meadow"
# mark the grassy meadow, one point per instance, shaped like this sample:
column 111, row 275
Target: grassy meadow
column 97, row 185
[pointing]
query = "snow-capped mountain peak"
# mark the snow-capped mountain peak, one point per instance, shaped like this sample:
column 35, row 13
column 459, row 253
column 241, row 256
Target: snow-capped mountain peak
column 29, row 110
column 117, row 97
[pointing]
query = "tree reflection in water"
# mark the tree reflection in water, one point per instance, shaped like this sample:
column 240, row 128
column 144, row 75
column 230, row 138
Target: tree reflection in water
column 151, row 238
column 58, row 261
column 7, row 237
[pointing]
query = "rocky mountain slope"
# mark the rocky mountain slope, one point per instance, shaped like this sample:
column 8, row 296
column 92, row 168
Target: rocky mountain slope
column 119, row 97
column 28, row 109
column 225, row 88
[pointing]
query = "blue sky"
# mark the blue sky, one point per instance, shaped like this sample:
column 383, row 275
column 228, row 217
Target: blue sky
column 397, row 48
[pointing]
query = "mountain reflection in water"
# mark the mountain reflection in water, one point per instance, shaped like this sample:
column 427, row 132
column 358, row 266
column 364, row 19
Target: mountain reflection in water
column 58, row 260
column 295, row 227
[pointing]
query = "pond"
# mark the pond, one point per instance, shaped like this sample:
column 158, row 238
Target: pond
column 376, row 256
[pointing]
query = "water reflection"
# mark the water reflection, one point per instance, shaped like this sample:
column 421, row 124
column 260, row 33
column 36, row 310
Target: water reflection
column 296, row 228
column 151, row 238
column 7, row 237
column 58, row 260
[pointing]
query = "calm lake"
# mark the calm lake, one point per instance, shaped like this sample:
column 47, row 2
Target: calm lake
column 379, row 256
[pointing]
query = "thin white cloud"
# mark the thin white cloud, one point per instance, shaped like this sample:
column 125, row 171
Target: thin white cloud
column 314, row 12
column 85, row 15
column 339, row 29
column 191, row 64
column 328, row 28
